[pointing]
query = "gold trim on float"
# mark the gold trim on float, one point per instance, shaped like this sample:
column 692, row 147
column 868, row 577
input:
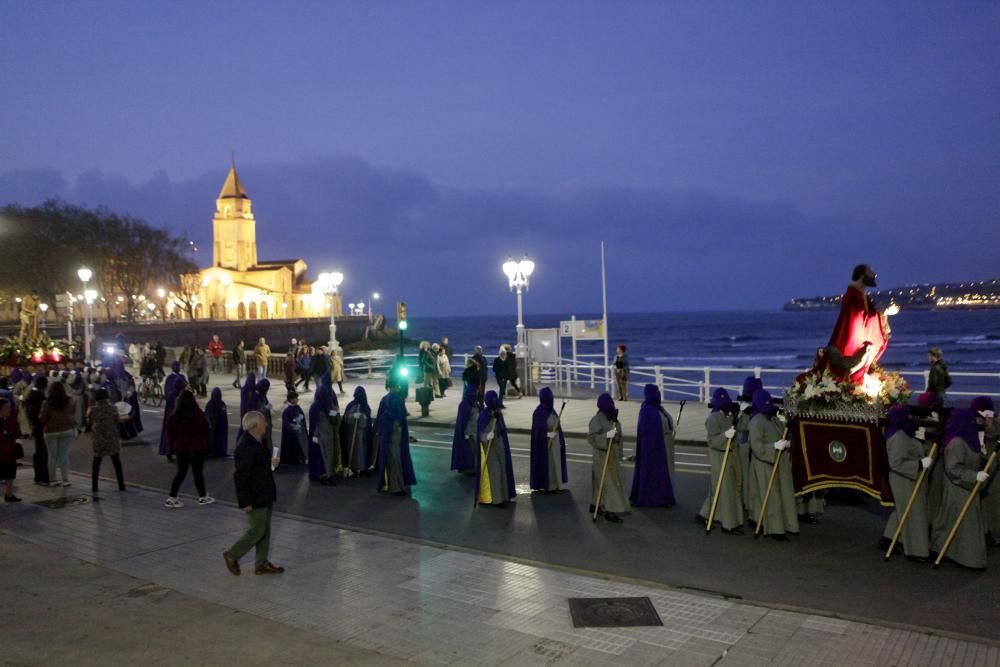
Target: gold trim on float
column 805, row 454
column 845, row 485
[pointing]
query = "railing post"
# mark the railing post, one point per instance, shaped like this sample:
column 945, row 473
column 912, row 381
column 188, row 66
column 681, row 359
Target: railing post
column 708, row 384
column 592, row 376
column 658, row 372
column 371, row 366
column 927, row 379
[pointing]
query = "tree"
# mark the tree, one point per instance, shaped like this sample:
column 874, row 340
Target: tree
column 128, row 257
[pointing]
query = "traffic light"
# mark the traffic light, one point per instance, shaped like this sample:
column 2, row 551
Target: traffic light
column 401, row 315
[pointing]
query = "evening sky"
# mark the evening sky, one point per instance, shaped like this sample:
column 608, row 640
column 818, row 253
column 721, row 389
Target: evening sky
column 730, row 154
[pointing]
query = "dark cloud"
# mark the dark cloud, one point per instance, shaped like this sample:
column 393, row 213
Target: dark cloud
column 440, row 247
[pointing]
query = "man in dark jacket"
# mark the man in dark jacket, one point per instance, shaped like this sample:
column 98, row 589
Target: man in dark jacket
column 484, row 372
column 512, row 370
column 255, row 493
column 32, row 408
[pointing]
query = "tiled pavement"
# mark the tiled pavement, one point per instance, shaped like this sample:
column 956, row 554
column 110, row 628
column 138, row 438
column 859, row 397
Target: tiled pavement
column 435, row 606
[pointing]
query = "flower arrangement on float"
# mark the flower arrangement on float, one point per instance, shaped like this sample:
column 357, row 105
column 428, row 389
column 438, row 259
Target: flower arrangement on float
column 823, row 396
column 40, row 351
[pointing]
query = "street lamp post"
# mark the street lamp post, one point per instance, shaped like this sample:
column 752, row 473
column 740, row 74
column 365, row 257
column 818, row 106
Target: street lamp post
column 518, row 275
column 84, row 274
column 329, row 282
column 375, row 296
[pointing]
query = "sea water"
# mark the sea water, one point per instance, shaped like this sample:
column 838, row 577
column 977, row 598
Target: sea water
column 970, row 339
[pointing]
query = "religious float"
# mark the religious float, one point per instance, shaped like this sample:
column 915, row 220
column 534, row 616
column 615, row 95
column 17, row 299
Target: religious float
column 836, row 411
column 31, row 347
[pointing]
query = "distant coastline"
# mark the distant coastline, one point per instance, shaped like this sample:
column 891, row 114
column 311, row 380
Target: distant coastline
column 929, row 296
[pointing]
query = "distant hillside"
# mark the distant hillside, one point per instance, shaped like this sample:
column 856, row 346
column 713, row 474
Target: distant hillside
column 979, row 294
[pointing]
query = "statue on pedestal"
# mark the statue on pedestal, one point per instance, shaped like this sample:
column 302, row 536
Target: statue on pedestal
column 29, row 319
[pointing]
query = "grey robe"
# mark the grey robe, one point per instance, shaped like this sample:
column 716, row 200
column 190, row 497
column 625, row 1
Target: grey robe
column 324, row 435
column 471, row 438
column 743, row 440
column 991, row 489
column 495, row 471
column 730, row 508
column 969, row 546
column 904, row 468
column 614, row 497
column 781, row 516
column 357, row 444
column 668, row 443
column 555, row 459
column 394, row 481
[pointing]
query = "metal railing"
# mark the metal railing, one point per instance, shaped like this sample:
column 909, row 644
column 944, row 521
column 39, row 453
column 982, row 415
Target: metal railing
column 698, row 382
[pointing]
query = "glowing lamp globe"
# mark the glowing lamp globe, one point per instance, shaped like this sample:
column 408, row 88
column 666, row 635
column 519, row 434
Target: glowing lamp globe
column 84, row 274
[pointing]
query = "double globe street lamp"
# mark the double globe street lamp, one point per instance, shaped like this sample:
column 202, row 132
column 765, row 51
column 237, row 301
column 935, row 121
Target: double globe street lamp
column 518, row 275
column 328, row 283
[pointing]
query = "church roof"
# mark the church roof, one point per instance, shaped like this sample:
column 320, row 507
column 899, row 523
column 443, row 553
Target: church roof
column 232, row 188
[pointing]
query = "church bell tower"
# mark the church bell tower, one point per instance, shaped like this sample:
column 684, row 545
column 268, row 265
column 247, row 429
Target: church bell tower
column 233, row 227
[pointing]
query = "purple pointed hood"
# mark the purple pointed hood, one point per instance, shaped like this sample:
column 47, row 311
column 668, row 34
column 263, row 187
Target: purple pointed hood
column 962, row 424
column 176, row 367
column 762, row 404
column 606, row 405
column 750, row 385
column 979, row 403
column 651, row 394
column 900, row 419
column 720, row 400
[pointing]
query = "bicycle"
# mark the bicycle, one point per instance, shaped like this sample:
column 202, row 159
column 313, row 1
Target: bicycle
column 150, row 392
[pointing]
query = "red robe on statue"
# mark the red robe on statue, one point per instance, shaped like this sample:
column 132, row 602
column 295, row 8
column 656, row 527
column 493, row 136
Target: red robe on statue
column 859, row 322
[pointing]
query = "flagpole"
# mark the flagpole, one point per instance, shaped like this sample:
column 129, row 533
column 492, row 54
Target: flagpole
column 604, row 300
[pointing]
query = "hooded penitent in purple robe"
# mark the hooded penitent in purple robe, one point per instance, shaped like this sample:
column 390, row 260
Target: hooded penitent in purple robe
column 720, row 400
column 294, row 435
column 319, row 413
column 218, row 424
column 651, row 485
column 486, row 417
column 394, row 412
column 540, row 443
column 462, row 458
column 763, row 405
column 350, row 431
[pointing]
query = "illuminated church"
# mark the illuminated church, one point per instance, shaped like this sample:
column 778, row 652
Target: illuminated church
column 238, row 286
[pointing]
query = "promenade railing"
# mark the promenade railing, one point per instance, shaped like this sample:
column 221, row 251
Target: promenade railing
column 678, row 383
column 697, row 382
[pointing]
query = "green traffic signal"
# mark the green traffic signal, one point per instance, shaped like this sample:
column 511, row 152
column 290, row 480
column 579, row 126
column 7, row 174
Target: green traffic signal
column 404, row 371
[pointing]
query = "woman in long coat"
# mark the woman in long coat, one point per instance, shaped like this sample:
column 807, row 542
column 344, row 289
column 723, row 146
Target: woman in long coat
column 548, row 446
column 495, row 481
column 604, row 433
column 175, row 383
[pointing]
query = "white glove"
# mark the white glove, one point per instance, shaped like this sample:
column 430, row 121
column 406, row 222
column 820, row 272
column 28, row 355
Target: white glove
column 986, row 414
column 730, row 433
column 611, row 435
column 333, row 413
column 781, row 445
column 489, row 436
column 926, row 462
column 553, row 435
column 316, row 439
column 921, row 433
column 352, row 417
column 743, row 406
column 982, row 476
column 781, row 418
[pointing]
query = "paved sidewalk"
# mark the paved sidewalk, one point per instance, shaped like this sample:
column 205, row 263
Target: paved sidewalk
column 400, row 598
column 575, row 419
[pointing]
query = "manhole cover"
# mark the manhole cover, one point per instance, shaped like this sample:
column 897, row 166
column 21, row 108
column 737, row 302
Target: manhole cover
column 612, row 612
column 66, row 501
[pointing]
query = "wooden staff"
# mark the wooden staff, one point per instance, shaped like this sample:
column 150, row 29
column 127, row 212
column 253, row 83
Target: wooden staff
column 350, row 455
column 718, row 486
column 909, row 504
column 679, row 413
column 965, row 508
column 558, row 419
column 770, row 485
column 482, row 467
column 600, row 487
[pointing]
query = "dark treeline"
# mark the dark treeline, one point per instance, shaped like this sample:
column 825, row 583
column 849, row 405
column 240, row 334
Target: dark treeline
column 42, row 247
